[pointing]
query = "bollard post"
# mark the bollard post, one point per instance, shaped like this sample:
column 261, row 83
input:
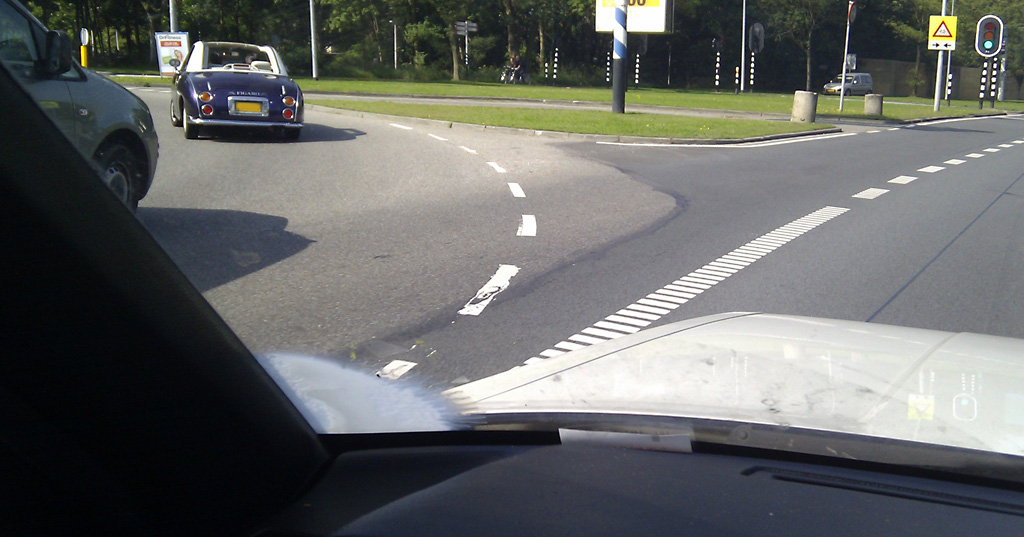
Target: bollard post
column 636, row 73
column 805, row 107
column 873, row 105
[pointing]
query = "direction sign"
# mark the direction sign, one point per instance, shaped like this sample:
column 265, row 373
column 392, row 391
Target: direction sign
column 941, row 33
column 464, row 27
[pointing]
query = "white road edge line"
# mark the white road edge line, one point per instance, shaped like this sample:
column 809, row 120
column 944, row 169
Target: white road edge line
column 661, row 302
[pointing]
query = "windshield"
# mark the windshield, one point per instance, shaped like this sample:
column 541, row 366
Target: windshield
column 472, row 241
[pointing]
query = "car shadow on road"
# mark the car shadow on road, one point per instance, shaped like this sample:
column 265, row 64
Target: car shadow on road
column 310, row 133
column 213, row 247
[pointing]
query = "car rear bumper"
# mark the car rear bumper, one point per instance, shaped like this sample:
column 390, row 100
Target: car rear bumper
column 242, row 123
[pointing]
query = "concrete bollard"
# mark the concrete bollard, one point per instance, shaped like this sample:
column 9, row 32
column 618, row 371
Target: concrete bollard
column 805, row 106
column 873, row 104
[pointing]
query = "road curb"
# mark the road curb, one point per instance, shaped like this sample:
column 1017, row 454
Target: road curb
column 570, row 135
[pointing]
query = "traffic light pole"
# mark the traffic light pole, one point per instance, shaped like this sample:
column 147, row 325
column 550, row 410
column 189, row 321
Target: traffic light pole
column 619, row 55
column 940, row 71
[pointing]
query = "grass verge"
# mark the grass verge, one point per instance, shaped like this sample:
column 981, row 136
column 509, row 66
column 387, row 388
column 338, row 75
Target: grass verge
column 582, row 121
column 895, row 108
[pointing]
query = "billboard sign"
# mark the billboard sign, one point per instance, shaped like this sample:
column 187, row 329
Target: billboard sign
column 171, row 45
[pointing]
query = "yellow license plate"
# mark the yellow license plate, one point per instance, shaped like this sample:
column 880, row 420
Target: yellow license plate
column 244, row 106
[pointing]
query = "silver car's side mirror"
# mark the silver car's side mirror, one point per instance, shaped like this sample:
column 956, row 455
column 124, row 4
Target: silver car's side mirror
column 58, row 53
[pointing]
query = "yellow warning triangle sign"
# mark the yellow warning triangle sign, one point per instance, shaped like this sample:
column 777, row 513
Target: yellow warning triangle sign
column 942, row 31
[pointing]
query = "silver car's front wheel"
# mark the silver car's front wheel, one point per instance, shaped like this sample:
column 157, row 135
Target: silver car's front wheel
column 120, row 171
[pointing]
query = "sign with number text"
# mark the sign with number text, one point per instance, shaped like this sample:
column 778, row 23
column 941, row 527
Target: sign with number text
column 642, row 16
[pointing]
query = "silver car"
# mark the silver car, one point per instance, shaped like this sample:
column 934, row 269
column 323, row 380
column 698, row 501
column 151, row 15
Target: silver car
column 856, row 84
column 102, row 119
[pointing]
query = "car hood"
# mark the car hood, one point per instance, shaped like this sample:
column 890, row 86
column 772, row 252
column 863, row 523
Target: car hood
column 964, row 390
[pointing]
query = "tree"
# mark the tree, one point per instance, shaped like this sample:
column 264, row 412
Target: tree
column 798, row 20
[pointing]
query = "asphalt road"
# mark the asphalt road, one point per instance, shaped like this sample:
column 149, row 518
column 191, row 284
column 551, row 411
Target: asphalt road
column 364, row 240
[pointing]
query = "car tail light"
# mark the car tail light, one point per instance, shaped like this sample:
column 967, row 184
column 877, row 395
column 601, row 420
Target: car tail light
column 288, row 114
column 289, row 101
column 205, row 97
column 207, row 109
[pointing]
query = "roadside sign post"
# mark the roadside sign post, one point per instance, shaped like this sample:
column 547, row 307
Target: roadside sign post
column 851, row 13
column 644, row 17
column 464, row 28
column 619, row 54
column 941, row 37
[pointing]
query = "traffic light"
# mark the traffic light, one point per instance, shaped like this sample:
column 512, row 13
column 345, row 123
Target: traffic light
column 989, row 40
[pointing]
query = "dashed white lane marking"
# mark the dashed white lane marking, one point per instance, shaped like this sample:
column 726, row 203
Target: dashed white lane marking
column 873, row 132
column 974, row 155
column 991, row 150
column 931, row 169
column 517, row 191
column 1006, row 146
column 438, row 138
column 395, row 369
column 870, row 193
column 399, row 126
column 528, row 226
column 656, row 305
column 894, row 129
column 468, row 150
column 496, row 167
column 955, row 161
column 1018, row 142
column 902, row 180
column 498, row 283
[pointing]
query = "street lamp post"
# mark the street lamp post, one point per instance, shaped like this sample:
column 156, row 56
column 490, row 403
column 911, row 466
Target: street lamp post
column 743, row 47
column 395, row 25
column 312, row 39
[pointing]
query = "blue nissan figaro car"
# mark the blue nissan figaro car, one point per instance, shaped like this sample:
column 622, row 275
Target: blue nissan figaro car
column 223, row 84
